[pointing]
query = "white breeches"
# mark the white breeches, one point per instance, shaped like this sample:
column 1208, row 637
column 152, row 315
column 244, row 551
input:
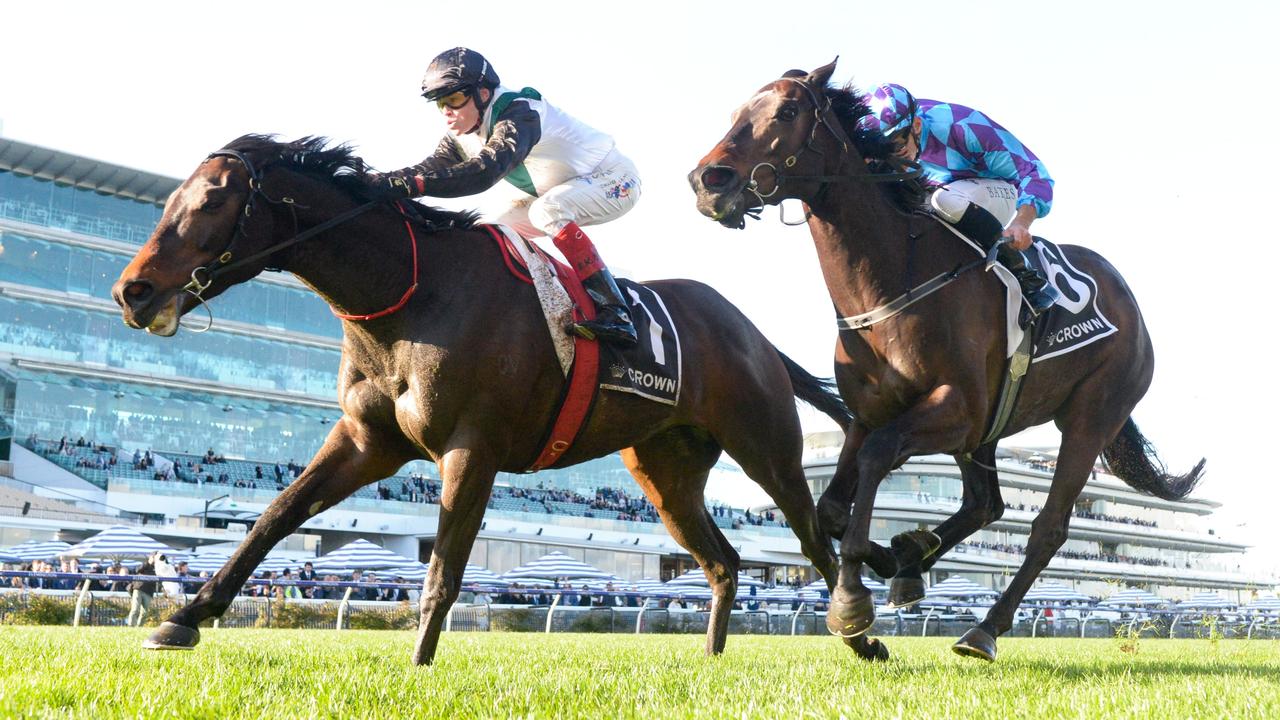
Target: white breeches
column 604, row 195
column 998, row 197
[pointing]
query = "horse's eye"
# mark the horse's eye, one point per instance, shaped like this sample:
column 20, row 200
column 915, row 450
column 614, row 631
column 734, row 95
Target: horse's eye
column 788, row 112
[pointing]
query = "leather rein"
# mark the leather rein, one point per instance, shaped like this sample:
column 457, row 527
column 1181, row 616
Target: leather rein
column 202, row 277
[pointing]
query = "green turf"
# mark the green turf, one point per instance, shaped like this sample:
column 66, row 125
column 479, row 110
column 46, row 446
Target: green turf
column 102, row 672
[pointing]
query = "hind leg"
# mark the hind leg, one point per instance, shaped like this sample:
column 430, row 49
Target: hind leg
column 672, row 470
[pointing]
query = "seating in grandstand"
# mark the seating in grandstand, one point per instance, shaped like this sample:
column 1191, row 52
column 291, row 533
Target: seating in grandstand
column 84, row 460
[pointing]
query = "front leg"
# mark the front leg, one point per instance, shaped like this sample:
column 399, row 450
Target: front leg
column 466, row 471
column 352, row 456
column 937, row 423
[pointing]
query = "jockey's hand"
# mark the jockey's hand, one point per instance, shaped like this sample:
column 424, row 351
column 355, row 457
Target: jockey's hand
column 1019, row 231
column 1019, row 236
column 390, row 186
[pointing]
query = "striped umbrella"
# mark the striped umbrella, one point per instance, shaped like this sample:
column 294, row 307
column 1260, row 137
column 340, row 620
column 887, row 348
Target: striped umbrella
column 7, row 559
column 958, row 587
column 1206, row 601
column 276, row 563
column 478, row 575
column 1265, row 603
column 117, row 541
column 417, row 571
column 361, row 555
column 557, row 565
column 820, row 586
column 37, row 550
column 648, row 585
column 210, row 562
column 1052, row 592
column 1133, row 597
column 697, row 578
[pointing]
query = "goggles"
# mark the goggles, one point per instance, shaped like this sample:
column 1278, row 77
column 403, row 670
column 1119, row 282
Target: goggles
column 454, row 100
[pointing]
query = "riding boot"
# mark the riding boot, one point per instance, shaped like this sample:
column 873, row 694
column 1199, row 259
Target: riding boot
column 1040, row 294
column 612, row 323
column 983, row 228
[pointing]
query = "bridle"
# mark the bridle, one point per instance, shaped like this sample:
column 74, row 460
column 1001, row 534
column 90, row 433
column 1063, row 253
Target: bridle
column 202, row 277
column 822, row 117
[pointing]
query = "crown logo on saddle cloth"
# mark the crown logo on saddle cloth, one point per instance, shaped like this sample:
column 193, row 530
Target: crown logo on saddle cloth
column 617, row 371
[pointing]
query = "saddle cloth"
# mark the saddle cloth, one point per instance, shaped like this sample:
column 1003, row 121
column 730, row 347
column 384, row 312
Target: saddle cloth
column 650, row 369
column 1074, row 322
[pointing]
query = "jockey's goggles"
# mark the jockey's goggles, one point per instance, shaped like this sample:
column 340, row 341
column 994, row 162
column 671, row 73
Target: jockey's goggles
column 455, row 100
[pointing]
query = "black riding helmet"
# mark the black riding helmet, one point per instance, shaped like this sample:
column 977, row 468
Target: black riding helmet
column 457, row 69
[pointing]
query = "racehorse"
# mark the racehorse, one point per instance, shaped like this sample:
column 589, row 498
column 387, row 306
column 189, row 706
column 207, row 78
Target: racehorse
column 927, row 379
column 460, row 368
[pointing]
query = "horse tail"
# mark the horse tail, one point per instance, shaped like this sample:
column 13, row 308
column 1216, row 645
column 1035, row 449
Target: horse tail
column 1131, row 457
column 818, row 392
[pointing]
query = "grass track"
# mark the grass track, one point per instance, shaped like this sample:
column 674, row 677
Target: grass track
column 101, row 672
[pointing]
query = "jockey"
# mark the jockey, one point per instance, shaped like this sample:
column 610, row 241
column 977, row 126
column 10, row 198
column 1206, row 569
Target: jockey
column 570, row 174
column 989, row 185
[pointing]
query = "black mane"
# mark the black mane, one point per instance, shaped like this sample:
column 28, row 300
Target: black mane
column 850, row 105
column 341, row 167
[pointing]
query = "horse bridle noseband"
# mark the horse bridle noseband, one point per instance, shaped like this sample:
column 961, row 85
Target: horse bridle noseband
column 202, row 277
column 822, row 118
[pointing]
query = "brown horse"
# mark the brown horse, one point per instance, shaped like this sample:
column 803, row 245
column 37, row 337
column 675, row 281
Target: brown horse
column 464, row 374
column 926, row 380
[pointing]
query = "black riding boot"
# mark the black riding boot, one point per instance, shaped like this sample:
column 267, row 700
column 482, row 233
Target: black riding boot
column 983, row 228
column 1040, row 294
column 612, row 324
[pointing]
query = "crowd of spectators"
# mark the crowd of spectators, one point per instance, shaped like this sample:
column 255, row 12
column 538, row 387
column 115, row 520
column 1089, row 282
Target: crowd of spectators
column 1069, row 554
column 1087, row 514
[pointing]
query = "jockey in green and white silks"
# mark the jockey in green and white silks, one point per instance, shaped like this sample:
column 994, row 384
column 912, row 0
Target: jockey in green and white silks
column 569, row 174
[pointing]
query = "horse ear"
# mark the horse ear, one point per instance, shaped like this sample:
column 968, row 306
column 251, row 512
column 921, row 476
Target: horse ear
column 821, row 76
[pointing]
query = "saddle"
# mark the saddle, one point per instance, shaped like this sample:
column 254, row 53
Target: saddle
column 650, row 369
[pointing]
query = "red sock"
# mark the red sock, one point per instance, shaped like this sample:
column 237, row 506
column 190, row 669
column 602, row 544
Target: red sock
column 578, row 250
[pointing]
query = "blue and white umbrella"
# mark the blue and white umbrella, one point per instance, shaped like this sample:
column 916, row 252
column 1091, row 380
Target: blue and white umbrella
column 1052, row 592
column 697, row 579
column 276, row 563
column 32, row 550
column 361, row 555
column 648, row 585
column 210, row 562
column 417, row 571
column 117, row 541
column 7, row 559
column 482, row 576
column 1133, row 597
column 958, row 588
column 556, row 566
column 1265, row 603
column 1206, row 601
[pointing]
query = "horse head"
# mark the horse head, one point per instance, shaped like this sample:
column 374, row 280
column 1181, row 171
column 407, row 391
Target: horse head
column 206, row 241
column 776, row 148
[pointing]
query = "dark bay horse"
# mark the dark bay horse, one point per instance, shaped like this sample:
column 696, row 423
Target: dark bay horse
column 464, row 374
column 926, row 380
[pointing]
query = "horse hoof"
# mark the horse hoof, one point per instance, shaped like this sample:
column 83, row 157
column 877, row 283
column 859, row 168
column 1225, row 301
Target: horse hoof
column 171, row 636
column 905, row 591
column 869, row 649
column 915, row 546
column 852, row 616
column 976, row 643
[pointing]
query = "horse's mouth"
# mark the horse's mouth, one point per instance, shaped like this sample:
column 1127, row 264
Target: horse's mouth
column 164, row 323
column 725, row 208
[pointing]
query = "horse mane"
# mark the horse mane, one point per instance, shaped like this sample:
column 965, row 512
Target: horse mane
column 341, row 167
column 850, row 105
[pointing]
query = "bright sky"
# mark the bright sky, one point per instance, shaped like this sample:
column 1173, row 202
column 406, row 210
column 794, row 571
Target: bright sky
column 1141, row 112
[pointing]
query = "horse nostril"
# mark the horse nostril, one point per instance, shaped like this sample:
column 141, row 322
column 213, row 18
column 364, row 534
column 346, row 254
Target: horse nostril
column 714, row 178
column 138, row 291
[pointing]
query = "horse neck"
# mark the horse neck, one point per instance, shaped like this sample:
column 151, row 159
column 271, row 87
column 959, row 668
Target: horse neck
column 863, row 245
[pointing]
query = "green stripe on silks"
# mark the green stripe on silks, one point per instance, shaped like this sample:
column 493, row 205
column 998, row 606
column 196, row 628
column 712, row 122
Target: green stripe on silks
column 519, row 175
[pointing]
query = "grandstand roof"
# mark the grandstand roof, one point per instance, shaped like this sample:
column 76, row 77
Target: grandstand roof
column 82, row 172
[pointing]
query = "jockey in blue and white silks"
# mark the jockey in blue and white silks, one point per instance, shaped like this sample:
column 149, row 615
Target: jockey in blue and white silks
column 988, row 183
column 568, row 174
